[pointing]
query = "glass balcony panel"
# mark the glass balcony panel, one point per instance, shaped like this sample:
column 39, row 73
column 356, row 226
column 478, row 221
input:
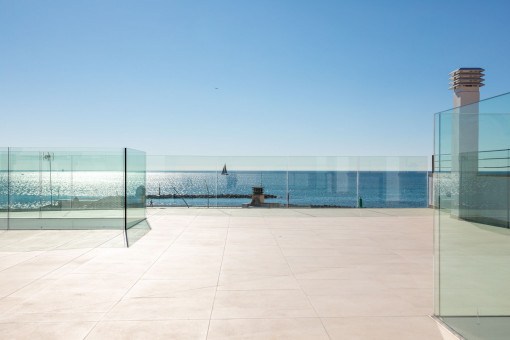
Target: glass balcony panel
column 471, row 224
column 136, row 225
column 298, row 181
column 4, row 186
column 323, row 181
column 55, row 189
column 26, row 195
column 81, row 189
column 393, row 182
column 182, row 181
column 235, row 184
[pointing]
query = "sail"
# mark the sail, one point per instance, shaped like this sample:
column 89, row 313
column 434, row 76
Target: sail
column 224, row 171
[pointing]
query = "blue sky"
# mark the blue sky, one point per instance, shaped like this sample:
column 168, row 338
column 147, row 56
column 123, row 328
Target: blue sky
column 241, row 77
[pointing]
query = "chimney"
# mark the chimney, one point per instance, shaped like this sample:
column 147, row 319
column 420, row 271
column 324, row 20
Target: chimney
column 466, row 83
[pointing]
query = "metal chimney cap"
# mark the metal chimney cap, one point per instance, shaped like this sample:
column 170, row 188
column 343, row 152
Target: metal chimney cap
column 467, row 70
column 467, row 77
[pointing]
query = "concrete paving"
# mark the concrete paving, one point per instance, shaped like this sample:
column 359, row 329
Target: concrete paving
column 229, row 274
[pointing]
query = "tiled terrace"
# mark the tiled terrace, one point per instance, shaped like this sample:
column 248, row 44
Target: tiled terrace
column 229, row 274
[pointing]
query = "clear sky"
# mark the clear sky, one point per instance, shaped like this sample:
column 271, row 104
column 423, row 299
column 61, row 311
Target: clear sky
column 265, row 77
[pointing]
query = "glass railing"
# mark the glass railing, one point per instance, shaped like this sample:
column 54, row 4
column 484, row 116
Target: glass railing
column 135, row 195
column 472, row 235
column 4, row 187
column 287, row 181
column 80, row 189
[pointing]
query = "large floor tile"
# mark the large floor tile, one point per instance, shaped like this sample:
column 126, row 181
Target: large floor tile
column 45, row 330
column 182, row 271
column 192, row 304
column 251, row 282
column 383, row 328
column 365, row 304
column 261, row 304
column 342, row 287
column 154, row 330
column 302, row 328
column 168, row 288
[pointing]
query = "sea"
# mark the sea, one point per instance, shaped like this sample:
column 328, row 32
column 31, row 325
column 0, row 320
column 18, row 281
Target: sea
column 384, row 189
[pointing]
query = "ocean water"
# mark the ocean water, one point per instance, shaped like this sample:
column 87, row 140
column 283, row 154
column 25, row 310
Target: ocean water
column 33, row 189
column 304, row 188
column 30, row 190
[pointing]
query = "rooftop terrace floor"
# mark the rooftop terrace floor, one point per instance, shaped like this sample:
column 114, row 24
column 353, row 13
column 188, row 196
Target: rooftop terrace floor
column 227, row 274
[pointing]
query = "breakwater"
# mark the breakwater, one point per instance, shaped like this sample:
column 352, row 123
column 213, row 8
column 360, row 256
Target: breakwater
column 191, row 196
